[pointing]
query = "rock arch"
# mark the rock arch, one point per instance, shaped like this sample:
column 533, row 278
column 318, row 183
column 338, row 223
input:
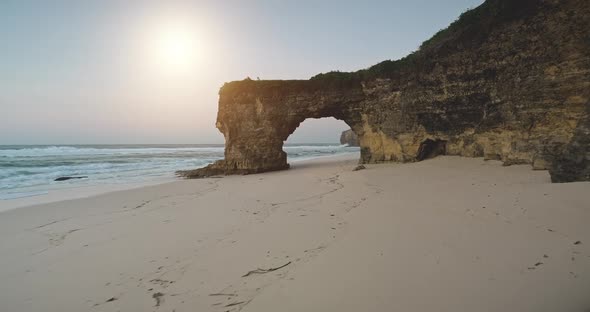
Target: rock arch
column 256, row 117
column 507, row 81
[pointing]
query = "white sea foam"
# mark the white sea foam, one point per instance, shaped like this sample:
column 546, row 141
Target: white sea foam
column 23, row 168
column 107, row 150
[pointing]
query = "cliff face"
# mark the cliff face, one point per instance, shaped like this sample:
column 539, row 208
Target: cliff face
column 349, row 137
column 510, row 80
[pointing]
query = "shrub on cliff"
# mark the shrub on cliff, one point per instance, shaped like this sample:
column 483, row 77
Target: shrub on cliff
column 468, row 29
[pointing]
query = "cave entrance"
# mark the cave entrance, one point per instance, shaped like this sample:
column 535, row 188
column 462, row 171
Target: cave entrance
column 431, row 148
column 317, row 137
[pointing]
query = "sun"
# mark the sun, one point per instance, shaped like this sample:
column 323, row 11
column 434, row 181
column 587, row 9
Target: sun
column 175, row 48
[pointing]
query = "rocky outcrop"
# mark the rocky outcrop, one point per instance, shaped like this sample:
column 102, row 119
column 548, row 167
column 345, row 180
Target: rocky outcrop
column 69, row 178
column 349, row 137
column 509, row 80
column 573, row 164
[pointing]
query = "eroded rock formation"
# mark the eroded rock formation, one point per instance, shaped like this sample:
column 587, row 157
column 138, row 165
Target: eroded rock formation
column 349, row 137
column 509, row 80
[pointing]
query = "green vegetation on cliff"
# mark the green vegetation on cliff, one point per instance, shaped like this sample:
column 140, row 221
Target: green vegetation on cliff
column 470, row 29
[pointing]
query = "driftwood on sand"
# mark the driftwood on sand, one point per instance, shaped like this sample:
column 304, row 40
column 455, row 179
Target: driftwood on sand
column 262, row 271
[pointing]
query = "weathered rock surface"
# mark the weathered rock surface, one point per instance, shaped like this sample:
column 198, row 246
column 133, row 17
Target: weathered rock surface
column 509, row 80
column 349, row 137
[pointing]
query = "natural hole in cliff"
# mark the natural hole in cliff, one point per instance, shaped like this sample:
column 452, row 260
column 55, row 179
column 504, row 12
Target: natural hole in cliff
column 431, row 148
column 317, row 137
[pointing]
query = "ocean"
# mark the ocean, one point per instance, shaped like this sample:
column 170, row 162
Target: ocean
column 28, row 170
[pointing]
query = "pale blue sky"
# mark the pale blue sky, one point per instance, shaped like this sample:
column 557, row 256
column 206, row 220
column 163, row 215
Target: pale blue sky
column 79, row 71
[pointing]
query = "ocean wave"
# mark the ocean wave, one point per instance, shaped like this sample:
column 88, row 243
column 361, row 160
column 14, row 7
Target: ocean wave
column 36, row 167
column 319, row 147
column 97, row 150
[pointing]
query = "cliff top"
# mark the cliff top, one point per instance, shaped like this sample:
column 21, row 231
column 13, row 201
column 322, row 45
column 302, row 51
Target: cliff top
column 469, row 30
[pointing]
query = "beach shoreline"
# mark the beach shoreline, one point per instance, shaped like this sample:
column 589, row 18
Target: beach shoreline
column 47, row 196
column 44, row 195
column 445, row 234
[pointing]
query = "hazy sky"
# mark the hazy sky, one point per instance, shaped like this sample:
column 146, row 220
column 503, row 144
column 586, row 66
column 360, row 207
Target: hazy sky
column 94, row 71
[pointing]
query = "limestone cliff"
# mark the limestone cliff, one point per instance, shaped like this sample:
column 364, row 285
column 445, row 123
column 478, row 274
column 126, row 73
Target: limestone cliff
column 509, row 80
column 349, row 137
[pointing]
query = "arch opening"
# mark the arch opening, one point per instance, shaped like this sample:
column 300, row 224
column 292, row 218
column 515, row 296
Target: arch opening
column 318, row 137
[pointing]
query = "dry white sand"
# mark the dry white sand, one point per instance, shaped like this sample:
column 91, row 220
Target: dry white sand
column 448, row 234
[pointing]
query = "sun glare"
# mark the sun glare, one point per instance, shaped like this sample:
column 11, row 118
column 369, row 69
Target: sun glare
column 174, row 48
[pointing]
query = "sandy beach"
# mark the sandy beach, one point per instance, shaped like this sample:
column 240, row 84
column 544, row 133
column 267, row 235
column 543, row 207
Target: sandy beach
column 446, row 234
